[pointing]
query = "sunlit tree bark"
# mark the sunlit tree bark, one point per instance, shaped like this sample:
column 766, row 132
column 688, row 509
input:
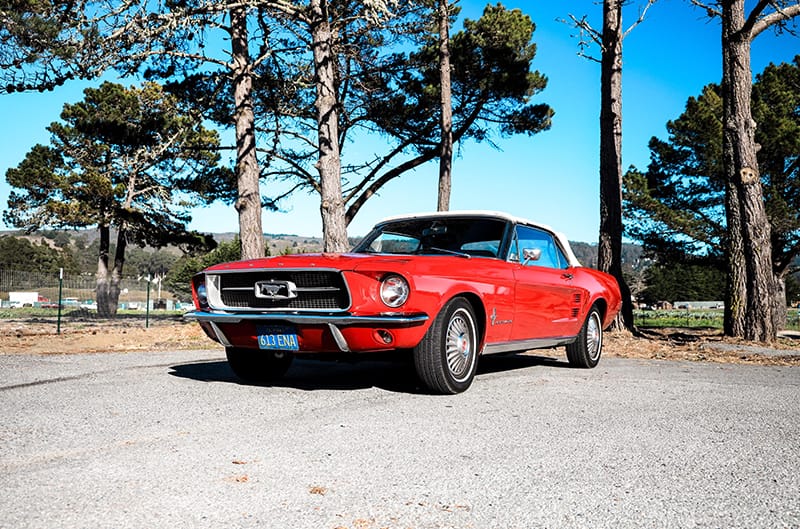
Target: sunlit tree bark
column 446, row 155
column 609, row 256
column 752, row 286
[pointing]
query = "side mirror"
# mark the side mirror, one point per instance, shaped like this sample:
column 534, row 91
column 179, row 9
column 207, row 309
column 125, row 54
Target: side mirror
column 531, row 254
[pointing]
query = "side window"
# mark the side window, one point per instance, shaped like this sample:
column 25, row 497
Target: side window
column 540, row 244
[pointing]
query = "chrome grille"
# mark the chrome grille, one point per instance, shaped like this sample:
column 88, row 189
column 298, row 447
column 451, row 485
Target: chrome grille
column 315, row 290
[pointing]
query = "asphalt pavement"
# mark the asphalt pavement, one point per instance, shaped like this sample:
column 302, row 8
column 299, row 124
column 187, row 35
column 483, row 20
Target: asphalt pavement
column 174, row 440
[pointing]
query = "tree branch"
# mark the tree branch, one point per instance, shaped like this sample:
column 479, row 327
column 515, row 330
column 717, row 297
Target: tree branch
column 753, row 17
column 642, row 14
column 298, row 171
column 384, row 179
column 781, row 14
column 710, row 11
column 382, row 163
column 586, row 30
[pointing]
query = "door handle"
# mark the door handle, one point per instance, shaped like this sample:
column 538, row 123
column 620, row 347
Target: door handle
column 566, row 275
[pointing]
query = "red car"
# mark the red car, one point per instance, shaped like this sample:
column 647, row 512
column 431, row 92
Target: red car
column 446, row 287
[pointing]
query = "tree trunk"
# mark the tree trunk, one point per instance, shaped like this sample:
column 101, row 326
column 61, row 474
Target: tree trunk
column 780, row 312
column 741, row 172
column 248, row 203
column 332, row 207
column 736, row 277
column 104, row 308
column 609, row 257
column 446, row 156
column 116, row 271
column 109, row 280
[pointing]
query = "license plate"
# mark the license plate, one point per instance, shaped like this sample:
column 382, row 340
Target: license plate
column 278, row 338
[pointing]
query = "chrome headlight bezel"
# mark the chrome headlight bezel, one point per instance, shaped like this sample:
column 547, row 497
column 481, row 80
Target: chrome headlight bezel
column 394, row 290
column 201, row 291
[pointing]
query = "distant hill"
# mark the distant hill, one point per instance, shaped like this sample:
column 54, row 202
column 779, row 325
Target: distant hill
column 281, row 243
column 587, row 254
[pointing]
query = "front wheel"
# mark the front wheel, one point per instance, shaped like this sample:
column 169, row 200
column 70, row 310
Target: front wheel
column 585, row 351
column 258, row 366
column 447, row 357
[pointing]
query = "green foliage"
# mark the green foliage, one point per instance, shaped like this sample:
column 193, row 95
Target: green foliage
column 683, row 281
column 144, row 261
column 395, row 94
column 793, row 290
column 776, row 110
column 179, row 278
column 679, row 318
column 20, row 254
column 43, row 43
column 120, row 157
column 587, row 254
column 676, row 208
column 492, row 84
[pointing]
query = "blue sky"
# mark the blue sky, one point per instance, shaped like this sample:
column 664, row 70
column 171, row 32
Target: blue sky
column 551, row 177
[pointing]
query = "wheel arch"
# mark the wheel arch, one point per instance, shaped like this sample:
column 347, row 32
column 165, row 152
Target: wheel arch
column 479, row 309
column 602, row 306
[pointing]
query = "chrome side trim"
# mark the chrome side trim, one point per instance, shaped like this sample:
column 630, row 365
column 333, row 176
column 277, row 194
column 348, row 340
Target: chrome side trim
column 220, row 335
column 339, row 338
column 524, row 345
column 337, row 319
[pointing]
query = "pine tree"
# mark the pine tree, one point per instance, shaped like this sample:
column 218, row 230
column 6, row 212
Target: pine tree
column 119, row 159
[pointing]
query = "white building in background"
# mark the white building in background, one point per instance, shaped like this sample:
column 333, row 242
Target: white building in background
column 702, row 305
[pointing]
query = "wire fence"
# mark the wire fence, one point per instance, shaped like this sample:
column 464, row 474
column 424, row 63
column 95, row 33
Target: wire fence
column 40, row 294
column 20, row 289
column 697, row 318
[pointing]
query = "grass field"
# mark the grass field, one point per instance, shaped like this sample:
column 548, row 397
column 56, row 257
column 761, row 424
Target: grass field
column 695, row 318
column 692, row 319
column 72, row 316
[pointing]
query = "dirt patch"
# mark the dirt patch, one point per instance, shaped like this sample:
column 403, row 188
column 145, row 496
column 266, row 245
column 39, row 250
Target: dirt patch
column 40, row 337
column 698, row 345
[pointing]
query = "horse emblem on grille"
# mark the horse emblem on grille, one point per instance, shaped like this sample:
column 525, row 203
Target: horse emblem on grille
column 275, row 289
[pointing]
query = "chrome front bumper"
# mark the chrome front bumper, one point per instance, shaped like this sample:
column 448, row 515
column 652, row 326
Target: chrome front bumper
column 308, row 319
column 333, row 321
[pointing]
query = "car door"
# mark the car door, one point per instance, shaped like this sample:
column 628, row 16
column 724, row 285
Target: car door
column 546, row 301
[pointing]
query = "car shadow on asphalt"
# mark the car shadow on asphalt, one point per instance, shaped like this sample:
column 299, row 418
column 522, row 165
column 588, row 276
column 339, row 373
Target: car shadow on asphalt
column 310, row 375
column 390, row 373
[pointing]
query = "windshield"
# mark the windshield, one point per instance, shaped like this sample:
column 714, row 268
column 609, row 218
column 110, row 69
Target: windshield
column 456, row 235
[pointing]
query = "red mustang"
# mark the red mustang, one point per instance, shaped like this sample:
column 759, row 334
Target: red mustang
column 447, row 287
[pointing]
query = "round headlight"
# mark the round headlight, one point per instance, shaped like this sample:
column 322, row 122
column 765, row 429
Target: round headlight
column 394, row 290
column 202, row 295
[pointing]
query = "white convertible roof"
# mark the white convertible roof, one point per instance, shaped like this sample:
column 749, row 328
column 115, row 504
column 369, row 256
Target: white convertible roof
column 562, row 239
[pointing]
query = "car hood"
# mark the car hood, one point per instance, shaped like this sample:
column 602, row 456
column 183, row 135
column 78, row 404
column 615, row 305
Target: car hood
column 344, row 261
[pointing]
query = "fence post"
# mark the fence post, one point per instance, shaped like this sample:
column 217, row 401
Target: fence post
column 60, row 284
column 147, row 305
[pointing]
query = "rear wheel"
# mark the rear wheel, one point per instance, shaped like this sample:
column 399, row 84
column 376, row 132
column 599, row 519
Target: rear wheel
column 585, row 351
column 258, row 366
column 447, row 357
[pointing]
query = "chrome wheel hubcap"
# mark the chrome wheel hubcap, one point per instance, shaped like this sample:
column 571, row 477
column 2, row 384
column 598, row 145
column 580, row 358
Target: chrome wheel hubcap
column 594, row 337
column 459, row 347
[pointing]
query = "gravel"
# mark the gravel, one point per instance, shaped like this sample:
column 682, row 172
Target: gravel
column 173, row 439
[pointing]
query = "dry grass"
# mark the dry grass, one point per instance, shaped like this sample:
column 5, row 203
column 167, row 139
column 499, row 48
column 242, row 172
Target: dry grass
column 700, row 345
column 697, row 345
column 41, row 338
